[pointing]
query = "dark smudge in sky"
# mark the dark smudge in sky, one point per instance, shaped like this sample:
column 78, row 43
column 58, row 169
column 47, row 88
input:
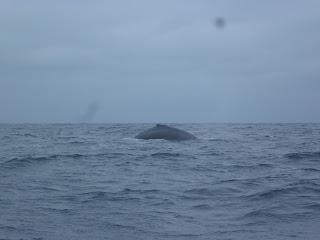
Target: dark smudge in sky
column 219, row 22
column 90, row 113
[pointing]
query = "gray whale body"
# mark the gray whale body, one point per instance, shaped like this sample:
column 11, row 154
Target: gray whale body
column 161, row 131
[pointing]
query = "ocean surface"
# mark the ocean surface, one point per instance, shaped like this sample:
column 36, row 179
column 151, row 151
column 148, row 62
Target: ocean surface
column 96, row 181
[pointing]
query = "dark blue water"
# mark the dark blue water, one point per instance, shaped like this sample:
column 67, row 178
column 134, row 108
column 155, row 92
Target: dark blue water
column 237, row 181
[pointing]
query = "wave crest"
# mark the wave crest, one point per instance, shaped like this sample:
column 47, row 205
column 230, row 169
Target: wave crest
column 303, row 155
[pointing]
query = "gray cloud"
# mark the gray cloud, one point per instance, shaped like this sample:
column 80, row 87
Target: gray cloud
column 153, row 61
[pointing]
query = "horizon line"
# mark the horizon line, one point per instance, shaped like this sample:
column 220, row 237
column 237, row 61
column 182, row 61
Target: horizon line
column 160, row 122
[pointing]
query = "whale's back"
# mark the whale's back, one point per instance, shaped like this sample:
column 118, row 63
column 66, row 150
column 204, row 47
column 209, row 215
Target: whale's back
column 161, row 131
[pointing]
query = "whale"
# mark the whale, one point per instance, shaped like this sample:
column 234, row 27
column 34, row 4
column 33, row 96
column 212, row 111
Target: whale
column 162, row 131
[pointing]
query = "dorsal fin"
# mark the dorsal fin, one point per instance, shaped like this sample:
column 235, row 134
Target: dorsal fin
column 161, row 125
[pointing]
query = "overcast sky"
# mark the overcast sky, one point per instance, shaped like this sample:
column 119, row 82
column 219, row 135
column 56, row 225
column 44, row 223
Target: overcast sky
column 159, row 61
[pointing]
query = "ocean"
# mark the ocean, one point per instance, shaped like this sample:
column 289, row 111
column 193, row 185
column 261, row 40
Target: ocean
column 96, row 181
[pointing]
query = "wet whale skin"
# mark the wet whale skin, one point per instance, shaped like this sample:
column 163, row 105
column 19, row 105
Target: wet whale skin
column 161, row 131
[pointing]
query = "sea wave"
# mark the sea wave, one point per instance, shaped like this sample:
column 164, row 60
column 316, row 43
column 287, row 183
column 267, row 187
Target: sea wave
column 211, row 192
column 25, row 161
column 294, row 191
column 126, row 194
column 275, row 214
column 203, row 207
column 165, row 154
column 303, row 155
